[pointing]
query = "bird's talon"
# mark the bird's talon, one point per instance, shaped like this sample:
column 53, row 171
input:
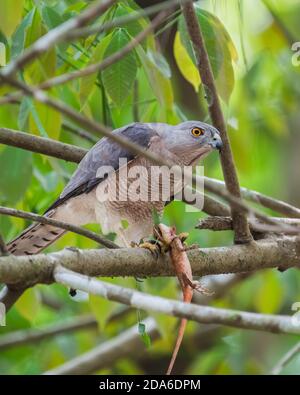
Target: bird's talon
column 183, row 236
column 153, row 247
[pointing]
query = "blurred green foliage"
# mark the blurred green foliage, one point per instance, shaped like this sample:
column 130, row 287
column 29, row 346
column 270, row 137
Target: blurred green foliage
column 249, row 44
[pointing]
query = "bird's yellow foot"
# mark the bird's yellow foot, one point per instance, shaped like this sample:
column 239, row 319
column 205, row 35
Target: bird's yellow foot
column 153, row 246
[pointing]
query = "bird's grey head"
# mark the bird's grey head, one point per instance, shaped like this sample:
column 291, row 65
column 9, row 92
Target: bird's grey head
column 191, row 140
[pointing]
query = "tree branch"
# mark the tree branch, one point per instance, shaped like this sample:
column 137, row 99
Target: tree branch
column 41, row 145
column 117, row 22
column 59, row 224
column 80, row 132
column 259, row 198
column 26, row 336
column 100, row 66
column 123, row 345
column 24, row 271
column 286, row 359
column 241, row 228
column 202, row 314
column 93, row 68
column 55, row 36
column 218, row 223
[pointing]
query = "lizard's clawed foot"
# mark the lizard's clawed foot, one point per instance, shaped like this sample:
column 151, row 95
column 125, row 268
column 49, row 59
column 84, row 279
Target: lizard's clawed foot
column 201, row 289
column 197, row 286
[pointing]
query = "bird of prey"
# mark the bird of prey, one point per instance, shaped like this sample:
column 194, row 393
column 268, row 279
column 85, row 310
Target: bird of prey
column 81, row 200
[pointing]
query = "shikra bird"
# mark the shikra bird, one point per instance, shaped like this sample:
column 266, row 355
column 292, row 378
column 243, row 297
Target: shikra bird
column 82, row 202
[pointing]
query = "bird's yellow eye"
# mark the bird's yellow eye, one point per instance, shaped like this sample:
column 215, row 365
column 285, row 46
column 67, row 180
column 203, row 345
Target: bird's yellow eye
column 197, row 132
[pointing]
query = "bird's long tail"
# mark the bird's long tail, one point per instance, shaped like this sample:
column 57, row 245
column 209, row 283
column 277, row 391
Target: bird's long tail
column 35, row 238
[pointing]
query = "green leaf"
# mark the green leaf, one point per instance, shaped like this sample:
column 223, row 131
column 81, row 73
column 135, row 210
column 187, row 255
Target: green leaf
column 28, row 305
column 45, row 121
column 16, row 171
column 155, row 217
column 102, row 309
column 160, row 62
column 161, row 85
column 144, row 335
column 118, row 79
column 51, row 17
column 87, row 83
column 2, row 54
column 185, row 63
column 220, row 49
column 269, row 295
column 133, row 27
column 10, row 15
column 19, row 36
column 24, row 111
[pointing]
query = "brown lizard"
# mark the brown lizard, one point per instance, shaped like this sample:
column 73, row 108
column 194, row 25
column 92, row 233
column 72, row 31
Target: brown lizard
column 173, row 243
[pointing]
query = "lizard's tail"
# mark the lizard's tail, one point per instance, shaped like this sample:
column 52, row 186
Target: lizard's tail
column 181, row 330
column 34, row 239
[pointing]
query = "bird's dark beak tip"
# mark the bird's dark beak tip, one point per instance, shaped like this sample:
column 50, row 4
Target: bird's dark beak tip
column 219, row 146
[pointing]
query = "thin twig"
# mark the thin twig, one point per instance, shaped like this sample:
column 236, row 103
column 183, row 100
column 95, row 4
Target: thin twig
column 59, row 224
column 123, row 20
column 286, row 359
column 55, row 36
column 241, row 228
column 93, row 68
column 218, row 223
column 128, row 343
column 80, row 132
column 261, row 199
column 100, row 66
column 28, row 336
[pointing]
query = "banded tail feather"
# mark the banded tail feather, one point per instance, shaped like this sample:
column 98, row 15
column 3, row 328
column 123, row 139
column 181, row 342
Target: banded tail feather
column 34, row 239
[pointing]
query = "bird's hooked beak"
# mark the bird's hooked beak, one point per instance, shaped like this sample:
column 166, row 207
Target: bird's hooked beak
column 216, row 142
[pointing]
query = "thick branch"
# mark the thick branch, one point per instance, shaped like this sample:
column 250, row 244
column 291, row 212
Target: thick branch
column 242, row 232
column 283, row 252
column 104, row 355
column 202, row 314
column 41, row 145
